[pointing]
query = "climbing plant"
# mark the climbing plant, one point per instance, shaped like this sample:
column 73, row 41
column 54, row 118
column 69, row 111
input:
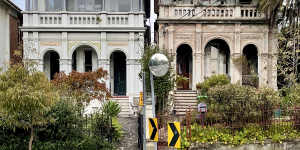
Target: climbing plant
column 162, row 85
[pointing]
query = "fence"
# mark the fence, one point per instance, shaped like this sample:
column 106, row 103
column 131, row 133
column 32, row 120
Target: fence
column 263, row 116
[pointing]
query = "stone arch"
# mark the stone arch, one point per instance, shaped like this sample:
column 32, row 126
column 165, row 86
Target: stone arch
column 184, row 65
column 216, row 57
column 185, row 43
column 84, row 59
column 227, row 40
column 120, row 50
column 118, row 73
column 253, row 43
column 250, row 66
column 44, row 51
column 51, row 63
column 73, row 48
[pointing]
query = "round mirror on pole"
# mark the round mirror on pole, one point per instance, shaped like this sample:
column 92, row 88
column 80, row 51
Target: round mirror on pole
column 159, row 65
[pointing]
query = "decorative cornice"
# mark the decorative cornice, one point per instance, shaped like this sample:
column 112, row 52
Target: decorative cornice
column 83, row 29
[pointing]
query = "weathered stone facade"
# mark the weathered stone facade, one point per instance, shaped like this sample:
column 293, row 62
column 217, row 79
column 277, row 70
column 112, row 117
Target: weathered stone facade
column 86, row 35
column 237, row 26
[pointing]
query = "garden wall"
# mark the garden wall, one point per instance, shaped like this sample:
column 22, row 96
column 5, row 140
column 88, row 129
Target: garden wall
column 295, row 145
column 130, row 135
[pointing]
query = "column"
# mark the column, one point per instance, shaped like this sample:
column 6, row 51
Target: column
column 197, row 58
column 263, row 72
column 80, row 56
column 65, row 65
column 235, row 51
column 105, row 65
column 263, row 60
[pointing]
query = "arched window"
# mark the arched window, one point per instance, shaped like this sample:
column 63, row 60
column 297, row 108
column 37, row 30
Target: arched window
column 84, row 59
column 118, row 73
column 250, row 66
column 51, row 64
column 184, row 65
column 217, row 58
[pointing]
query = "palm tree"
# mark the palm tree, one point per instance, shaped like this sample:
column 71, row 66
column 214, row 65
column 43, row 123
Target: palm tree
column 285, row 11
column 287, row 14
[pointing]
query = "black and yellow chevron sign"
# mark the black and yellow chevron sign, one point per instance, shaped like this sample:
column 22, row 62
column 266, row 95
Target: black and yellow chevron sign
column 153, row 129
column 174, row 134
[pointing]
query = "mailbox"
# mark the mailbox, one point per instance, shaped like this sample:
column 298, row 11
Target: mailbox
column 202, row 107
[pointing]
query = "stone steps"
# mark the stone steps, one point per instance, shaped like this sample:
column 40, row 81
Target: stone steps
column 125, row 106
column 185, row 100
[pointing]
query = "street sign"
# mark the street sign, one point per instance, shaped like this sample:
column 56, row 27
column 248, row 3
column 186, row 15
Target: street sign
column 174, row 134
column 141, row 101
column 153, row 129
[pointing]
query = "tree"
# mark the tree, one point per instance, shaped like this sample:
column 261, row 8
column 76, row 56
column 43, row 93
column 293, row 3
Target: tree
column 286, row 14
column 86, row 86
column 25, row 97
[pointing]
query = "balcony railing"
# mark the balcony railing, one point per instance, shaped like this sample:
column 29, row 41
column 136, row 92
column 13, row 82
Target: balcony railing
column 70, row 19
column 210, row 12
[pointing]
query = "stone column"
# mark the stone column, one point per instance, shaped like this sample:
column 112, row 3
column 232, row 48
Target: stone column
column 65, row 65
column 80, row 60
column 104, row 64
column 197, row 73
column 235, row 52
column 198, row 68
column 263, row 72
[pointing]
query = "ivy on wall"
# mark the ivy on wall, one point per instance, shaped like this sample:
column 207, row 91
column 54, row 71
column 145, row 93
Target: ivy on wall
column 162, row 85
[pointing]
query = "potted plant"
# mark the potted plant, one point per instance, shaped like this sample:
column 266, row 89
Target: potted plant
column 182, row 82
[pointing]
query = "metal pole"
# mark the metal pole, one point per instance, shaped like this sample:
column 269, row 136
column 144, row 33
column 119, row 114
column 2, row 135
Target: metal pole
column 144, row 111
column 153, row 101
column 152, row 94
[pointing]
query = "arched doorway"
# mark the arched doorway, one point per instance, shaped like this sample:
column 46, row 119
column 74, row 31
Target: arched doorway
column 217, row 58
column 84, row 59
column 118, row 73
column 51, row 64
column 250, row 66
column 184, row 67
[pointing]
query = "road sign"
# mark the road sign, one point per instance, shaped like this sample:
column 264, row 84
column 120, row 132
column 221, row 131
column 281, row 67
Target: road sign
column 153, row 129
column 174, row 134
column 141, row 101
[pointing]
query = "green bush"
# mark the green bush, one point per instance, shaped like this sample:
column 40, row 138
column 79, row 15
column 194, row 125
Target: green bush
column 212, row 82
column 236, row 103
column 291, row 96
column 250, row 133
column 105, row 127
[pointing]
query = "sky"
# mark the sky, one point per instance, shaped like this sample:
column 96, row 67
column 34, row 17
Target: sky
column 19, row 3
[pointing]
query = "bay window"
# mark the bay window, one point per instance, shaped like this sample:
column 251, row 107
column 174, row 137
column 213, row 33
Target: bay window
column 54, row 5
column 31, row 5
column 84, row 5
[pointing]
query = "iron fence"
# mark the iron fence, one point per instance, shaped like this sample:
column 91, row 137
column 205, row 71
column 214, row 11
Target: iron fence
column 263, row 117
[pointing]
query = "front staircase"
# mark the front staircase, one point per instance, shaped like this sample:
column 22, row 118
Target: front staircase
column 185, row 100
column 125, row 106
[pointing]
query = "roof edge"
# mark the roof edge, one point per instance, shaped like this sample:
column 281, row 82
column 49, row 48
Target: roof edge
column 12, row 5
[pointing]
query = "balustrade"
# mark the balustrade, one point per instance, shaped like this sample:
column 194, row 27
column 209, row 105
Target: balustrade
column 211, row 12
column 68, row 19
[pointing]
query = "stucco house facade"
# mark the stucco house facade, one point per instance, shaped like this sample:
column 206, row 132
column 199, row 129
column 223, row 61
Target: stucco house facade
column 208, row 37
column 83, row 35
column 10, row 40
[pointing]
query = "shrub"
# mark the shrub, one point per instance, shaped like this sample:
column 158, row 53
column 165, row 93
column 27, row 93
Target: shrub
column 105, row 128
column 236, row 103
column 212, row 82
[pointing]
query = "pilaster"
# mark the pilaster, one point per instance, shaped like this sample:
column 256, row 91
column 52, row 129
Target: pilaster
column 235, row 73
